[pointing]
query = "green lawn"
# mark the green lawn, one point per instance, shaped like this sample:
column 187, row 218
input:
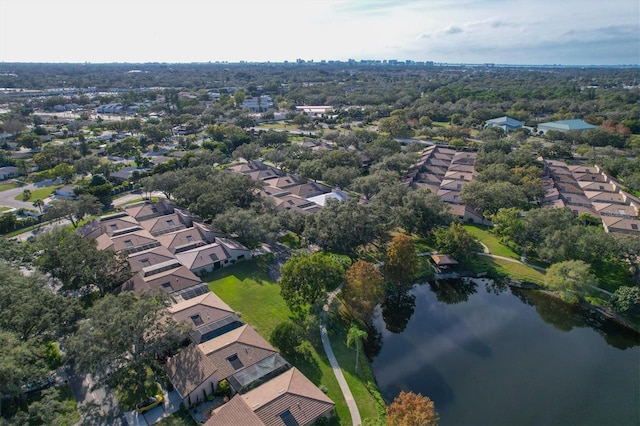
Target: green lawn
column 40, row 193
column 363, row 383
column 247, row 289
column 8, row 185
column 515, row 270
column 488, row 239
column 4, row 209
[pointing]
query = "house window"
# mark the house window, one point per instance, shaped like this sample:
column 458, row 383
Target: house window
column 459, row 186
column 634, row 226
column 113, row 226
column 128, row 243
column 601, row 188
column 154, row 210
column 167, row 287
column 145, row 262
column 170, row 222
column 197, row 320
column 189, row 238
column 235, row 362
column 288, row 419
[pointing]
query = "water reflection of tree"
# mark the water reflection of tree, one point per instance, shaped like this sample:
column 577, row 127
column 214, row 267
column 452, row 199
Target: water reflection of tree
column 453, row 291
column 397, row 309
column 373, row 343
column 565, row 317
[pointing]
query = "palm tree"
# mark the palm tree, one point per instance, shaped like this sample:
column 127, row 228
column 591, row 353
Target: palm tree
column 356, row 336
column 38, row 203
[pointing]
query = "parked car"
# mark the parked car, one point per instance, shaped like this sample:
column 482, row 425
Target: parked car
column 39, row 384
column 149, row 403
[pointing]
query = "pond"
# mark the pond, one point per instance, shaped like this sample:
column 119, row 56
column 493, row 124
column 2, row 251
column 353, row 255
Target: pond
column 497, row 356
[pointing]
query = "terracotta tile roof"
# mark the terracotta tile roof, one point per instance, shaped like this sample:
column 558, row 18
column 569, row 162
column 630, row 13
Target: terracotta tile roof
column 605, row 197
column 209, row 307
column 621, row 225
column 118, row 224
column 149, row 257
column 182, row 237
column 309, row 190
column 162, row 224
column 285, row 182
column 460, row 175
column 203, row 256
column 610, row 209
column 143, row 211
column 234, row 413
column 134, row 241
column 597, row 186
column 104, row 242
column 243, row 343
column 189, row 369
column 172, row 280
column 289, row 392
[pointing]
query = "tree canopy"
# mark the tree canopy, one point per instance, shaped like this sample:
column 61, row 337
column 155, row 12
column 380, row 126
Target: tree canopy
column 306, row 278
column 410, row 409
column 125, row 330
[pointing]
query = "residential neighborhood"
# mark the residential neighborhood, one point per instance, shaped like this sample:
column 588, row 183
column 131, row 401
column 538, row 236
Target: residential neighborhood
column 308, row 243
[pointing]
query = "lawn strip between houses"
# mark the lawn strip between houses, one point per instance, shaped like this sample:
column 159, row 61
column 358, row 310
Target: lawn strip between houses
column 248, row 290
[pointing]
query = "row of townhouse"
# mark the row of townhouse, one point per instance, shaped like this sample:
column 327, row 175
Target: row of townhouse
column 167, row 248
column 588, row 189
column 289, row 191
column 445, row 171
column 584, row 189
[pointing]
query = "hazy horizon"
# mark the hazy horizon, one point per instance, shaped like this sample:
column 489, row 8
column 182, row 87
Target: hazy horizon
column 505, row 32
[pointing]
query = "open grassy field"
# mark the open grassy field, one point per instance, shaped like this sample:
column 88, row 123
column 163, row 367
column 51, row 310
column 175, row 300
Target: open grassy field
column 247, row 289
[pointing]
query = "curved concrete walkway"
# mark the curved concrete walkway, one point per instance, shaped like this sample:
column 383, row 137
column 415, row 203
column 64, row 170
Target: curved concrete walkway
column 337, row 371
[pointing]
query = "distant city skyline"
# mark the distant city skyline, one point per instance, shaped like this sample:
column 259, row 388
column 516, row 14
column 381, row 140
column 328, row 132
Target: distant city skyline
column 518, row 32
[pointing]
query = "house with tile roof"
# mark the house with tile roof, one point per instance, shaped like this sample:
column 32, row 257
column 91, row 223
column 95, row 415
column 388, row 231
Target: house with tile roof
column 172, row 280
column 192, row 374
column 130, row 242
column 147, row 210
column 208, row 316
column 621, row 225
column 203, row 259
column 235, row 350
column 143, row 259
column 289, row 399
column 163, row 224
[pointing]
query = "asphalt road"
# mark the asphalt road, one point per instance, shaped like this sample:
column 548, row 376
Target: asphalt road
column 7, row 198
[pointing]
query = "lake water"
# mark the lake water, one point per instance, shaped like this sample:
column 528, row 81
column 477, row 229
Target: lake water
column 508, row 357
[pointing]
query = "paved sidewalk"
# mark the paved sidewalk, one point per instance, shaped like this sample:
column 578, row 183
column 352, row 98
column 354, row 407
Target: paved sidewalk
column 348, row 396
column 351, row 403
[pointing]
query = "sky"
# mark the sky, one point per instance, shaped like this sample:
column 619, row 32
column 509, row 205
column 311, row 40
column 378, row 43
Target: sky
column 535, row 32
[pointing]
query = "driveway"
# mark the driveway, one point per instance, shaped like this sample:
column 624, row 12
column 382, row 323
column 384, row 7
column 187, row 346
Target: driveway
column 85, row 392
column 171, row 404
